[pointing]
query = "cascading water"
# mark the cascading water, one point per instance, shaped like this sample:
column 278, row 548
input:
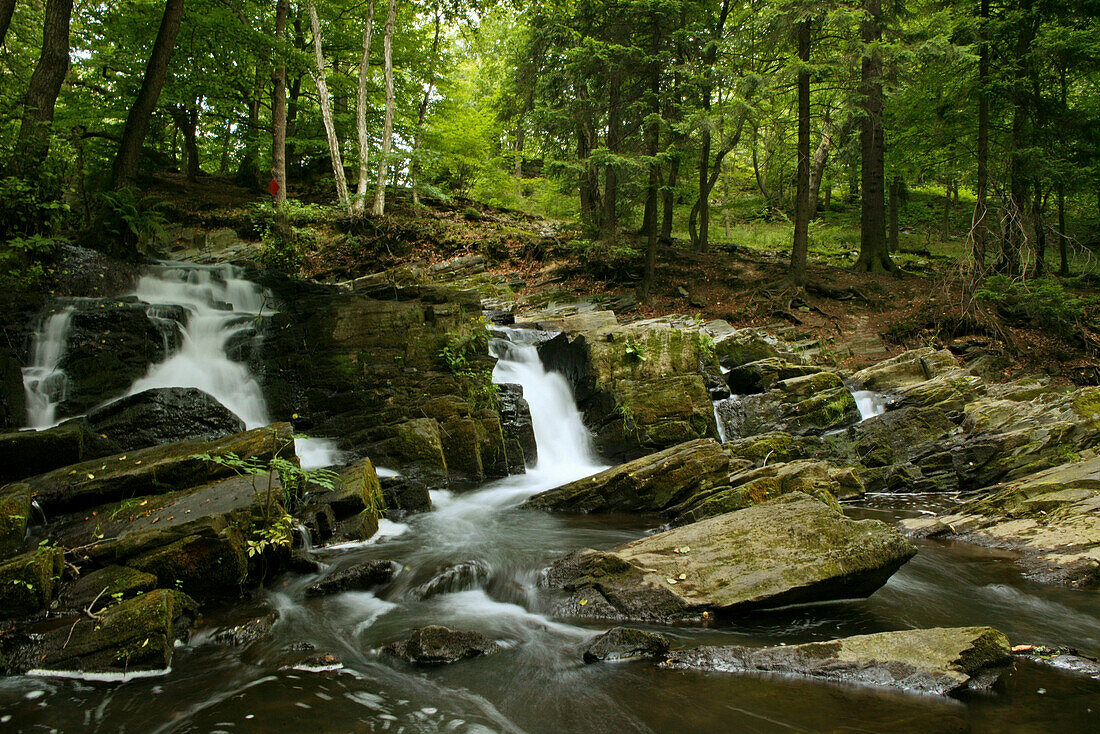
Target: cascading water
column 220, row 305
column 44, row 383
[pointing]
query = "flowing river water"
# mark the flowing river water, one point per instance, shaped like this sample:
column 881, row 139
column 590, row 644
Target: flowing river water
column 538, row 682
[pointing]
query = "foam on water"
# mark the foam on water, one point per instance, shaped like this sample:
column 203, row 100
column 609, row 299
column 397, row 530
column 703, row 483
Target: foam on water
column 316, row 453
column 44, row 383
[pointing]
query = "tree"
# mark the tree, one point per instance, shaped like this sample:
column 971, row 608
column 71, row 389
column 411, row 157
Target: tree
column 873, row 255
column 326, row 112
column 278, row 104
column 7, row 10
column 125, row 169
column 800, row 247
column 362, row 132
column 33, row 141
column 387, row 127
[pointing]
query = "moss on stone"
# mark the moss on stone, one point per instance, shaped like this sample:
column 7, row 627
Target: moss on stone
column 28, row 583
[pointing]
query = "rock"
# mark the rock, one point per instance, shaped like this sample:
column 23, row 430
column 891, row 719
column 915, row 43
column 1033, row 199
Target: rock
column 29, row 583
column 790, row 550
column 755, row 485
column 776, row 446
column 13, row 407
column 455, row 577
column 906, row 369
column 357, row 578
column 355, row 500
column 1052, row 518
column 897, row 436
column 736, row 347
column 657, row 413
column 256, row 627
column 940, row 661
column 1061, row 658
column 26, row 453
column 652, row 483
column 762, row 375
column 136, row 635
column 155, row 470
column 435, row 644
column 109, row 584
column 15, row 515
column 624, row 643
column 403, row 495
column 519, row 432
column 164, row 415
column 415, row 449
column 808, row 405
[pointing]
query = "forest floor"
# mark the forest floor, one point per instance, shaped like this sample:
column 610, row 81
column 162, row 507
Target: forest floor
column 849, row 318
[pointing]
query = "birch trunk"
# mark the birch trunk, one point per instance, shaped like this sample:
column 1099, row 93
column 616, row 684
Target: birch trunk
column 326, row 112
column 361, row 115
column 278, row 106
column 387, row 128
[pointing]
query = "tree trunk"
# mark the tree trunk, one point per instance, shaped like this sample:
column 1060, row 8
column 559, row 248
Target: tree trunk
column 414, row 164
column 609, row 221
column 1040, row 231
column 700, row 237
column 830, row 134
column 33, row 142
column 946, row 211
column 361, row 115
column 1063, row 241
column 387, row 127
column 978, row 226
column 801, row 245
column 652, row 147
column 892, row 235
column 1015, row 235
column 278, row 105
column 125, row 169
column 873, row 256
column 186, row 118
column 248, row 174
column 326, row 112
column 7, row 9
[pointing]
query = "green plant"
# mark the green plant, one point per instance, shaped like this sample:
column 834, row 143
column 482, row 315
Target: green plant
column 635, row 351
column 465, row 345
column 612, row 261
column 130, row 224
column 24, row 261
column 30, row 206
column 1042, row 303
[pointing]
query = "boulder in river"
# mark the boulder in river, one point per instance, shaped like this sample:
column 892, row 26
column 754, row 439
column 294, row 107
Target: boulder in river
column 939, row 661
column 357, row 578
column 625, row 643
column 519, row 432
column 135, row 635
column 436, row 644
column 790, row 550
column 163, row 415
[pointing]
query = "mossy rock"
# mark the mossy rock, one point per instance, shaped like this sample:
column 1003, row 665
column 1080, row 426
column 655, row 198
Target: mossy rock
column 462, row 450
column 906, row 369
column 200, row 565
column 26, row 453
column 761, row 375
column 15, row 513
column 106, row 586
column 807, row 405
column 414, row 448
column 655, row 414
column 757, row 485
column 136, row 635
column 743, row 347
column 30, row 582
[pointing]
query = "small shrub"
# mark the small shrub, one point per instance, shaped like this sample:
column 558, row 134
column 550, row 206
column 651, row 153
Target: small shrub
column 1042, row 303
column 608, row 260
column 130, row 224
column 24, row 261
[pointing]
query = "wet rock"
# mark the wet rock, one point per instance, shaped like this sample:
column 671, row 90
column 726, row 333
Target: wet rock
column 30, row 582
column 135, row 635
column 455, row 577
column 1052, row 518
column 404, row 495
column 357, row 578
column 26, row 453
column 790, row 550
column 13, row 407
column 776, row 446
column 351, row 508
column 318, row 662
column 257, row 627
column 105, row 586
column 519, row 433
column 650, row 484
column 624, row 643
column 436, row 645
column 906, row 369
column 939, row 661
column 762, row 375
column 1061, row 658
column 808, row 405
column 155, row 470
column 736, row 347
column 415, row 448
column 897, row 436
column 163, row 415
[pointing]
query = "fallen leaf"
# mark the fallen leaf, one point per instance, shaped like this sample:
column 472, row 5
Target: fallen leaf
column 682, row 576
column 671, row 581
column 582, row 602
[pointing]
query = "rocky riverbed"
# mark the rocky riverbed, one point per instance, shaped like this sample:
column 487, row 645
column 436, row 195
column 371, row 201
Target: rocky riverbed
column 499, row 483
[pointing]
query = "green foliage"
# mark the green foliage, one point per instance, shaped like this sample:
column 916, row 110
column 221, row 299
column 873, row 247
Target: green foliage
column 30, row 207
column 24, row 261
column 613, row 261
column 464, row 346
column 130, row 224
column 635, row 351
column 1042, row 303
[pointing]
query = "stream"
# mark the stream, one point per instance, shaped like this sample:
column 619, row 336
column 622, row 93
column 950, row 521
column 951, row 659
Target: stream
column 538, row 682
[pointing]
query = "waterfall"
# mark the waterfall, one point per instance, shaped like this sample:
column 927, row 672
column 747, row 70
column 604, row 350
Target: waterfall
column 219, row 306
column 565, row 448
column 870, row 403
column 44, row 384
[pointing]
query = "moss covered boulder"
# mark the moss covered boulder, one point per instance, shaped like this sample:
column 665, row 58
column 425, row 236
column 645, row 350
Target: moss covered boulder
column 26, row 453
column 807, row 405
column 136, row 635
column 105, row 586
column 906, row 369
column 790, row 550
column 651, row 483
column 151, row 471
column 761, row 375
column 30, row 582
column 15, row 514
column 415, row 449
column 940, row 661
column 434, row 645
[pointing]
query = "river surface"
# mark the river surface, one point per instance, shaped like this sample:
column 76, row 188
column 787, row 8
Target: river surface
column 538, row 682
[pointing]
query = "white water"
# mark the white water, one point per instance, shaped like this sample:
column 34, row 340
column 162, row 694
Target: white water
column 869, row 403
column 44, row 384
column 220, row 304
column 316, row 453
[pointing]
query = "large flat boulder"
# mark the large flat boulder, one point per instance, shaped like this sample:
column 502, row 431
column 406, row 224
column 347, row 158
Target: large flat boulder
column 151, row 471
column 807, row 405
column 790, row 550
column 939, row 661
column 906, row 369
column 163, row 415
column 648, row 484
column 1052, row 518
column 26, row 453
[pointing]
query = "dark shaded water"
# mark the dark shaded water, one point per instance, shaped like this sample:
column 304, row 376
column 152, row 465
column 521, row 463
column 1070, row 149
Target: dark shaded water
column 538, row 683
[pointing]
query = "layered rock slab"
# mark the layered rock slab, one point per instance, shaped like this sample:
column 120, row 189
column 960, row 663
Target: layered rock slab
column 939, row 661
column 789, row 550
